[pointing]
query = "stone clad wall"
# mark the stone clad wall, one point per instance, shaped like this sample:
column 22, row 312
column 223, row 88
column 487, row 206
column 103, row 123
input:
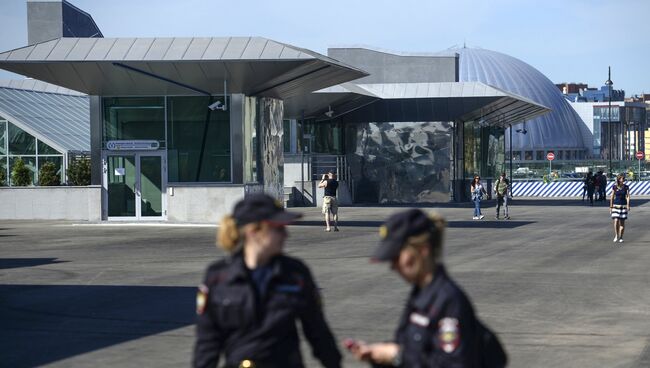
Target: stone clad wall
column 271, row 149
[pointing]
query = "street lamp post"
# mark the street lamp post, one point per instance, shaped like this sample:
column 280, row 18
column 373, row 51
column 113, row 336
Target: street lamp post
column 609, row 83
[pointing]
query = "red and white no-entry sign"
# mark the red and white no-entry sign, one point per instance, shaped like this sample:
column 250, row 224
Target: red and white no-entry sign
column 639, row 155
column 550, row 156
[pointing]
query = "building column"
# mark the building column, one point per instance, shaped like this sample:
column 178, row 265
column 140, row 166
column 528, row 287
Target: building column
column 271, row 114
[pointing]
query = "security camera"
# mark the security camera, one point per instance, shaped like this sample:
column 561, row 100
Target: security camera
column 522, row 131
column 217, row 106
column 329, row 113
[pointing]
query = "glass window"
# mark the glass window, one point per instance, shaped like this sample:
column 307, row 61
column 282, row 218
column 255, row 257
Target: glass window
column 44, row 149
column 21, row 142
column 4, row 177
column 539, row 155
column 30, row 163
column 286, row 135
column 528, row 156
column 3, row 134
column 198, row 141
column 127, row 118
column 57, row 160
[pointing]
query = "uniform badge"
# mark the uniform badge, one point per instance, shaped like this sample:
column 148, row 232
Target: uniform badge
column 383, row 231
column 448, row 334
column 418, row 319
column 201, row 299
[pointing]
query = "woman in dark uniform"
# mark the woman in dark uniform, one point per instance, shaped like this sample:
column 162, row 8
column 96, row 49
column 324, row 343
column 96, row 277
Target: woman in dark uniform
column 619, row 206
column 248, row 303
column 438, row 327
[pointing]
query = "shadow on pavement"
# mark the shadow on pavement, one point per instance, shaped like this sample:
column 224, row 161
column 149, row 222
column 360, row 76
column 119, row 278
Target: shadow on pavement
column 486, row 223
column 42, row 324
column 26, row 262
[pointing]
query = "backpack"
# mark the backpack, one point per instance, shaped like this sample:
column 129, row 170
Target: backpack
column 492, row 353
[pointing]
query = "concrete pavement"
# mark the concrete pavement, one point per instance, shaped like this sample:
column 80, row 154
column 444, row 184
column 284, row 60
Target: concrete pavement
column 550, row 282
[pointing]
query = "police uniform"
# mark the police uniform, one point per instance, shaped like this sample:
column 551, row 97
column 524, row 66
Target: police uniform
column 438, row 327
column 250, row 315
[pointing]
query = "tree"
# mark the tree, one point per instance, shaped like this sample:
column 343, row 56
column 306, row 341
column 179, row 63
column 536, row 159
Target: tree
column 47, row 175
column 79, row 172
column 20, row 174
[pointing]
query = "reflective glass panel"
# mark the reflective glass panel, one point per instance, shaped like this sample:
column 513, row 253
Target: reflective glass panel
column 21, row 142
column 30, row 163
column 198, row 141
column 130, row 118
column 121, row 185
column 150, row 186
column 44, row 149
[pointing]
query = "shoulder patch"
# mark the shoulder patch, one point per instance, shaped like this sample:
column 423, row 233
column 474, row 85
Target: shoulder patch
column 201, row 299
column 448, row 334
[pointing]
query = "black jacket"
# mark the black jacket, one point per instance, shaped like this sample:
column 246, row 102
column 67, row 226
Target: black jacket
column 438, row 327
column 242, row 324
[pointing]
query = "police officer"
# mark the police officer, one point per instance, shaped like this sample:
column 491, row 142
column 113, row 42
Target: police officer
column 438, row 327
column 248, row 303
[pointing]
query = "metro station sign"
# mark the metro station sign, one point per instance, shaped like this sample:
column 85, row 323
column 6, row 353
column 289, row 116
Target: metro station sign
column 133, row 145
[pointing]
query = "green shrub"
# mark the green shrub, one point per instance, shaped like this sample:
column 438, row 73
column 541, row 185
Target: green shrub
column 3, row 177
column 20, row 174
column 79, row 172
column 47, row 175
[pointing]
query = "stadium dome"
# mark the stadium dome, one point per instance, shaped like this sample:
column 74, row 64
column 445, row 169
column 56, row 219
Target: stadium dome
column 561, row 128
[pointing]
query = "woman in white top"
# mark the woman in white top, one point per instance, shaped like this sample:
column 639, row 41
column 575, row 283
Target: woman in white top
column 477, row 195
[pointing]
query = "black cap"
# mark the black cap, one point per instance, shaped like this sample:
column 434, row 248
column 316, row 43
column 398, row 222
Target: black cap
column 262, row 207
column 397, row 229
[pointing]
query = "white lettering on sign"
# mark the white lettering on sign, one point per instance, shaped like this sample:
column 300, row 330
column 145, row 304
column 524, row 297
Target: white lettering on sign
column 119, row 171
column 137, row 145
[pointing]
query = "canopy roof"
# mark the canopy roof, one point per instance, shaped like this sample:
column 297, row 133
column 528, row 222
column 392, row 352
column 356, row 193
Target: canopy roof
column 178, row 66
column 444, row 101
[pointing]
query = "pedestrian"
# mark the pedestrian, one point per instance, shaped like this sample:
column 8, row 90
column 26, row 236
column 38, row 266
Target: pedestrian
column 589, row 182
column 502, row 191
column 596, row 180
column 477, row 191
column 249, row 302
column 330, row 204
column 438, row 327
column 584, row 187
column 619, row 206
column 603, row 186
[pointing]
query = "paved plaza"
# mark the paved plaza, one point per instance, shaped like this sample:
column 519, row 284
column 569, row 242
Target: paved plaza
column 550, row 282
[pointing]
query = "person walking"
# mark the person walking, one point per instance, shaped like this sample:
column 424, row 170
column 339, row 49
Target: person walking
column 619, row 206
column 589, row 181
column 330, row 204
column 438, row 327
column 603, row 186
column 477, row 191
column 502, row 191
column 249, row 302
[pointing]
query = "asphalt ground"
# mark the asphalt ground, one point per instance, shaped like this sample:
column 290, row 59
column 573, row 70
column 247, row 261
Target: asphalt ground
column 550, row 282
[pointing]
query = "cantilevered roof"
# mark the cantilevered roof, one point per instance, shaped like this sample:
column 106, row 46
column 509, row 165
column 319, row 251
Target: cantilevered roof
column 183, row 66
column 449, row 101
column 60, row 120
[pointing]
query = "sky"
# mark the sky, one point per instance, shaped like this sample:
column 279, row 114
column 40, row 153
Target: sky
column 566, row 40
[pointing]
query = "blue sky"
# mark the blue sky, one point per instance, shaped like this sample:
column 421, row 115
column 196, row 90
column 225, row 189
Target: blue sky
column 568, row 41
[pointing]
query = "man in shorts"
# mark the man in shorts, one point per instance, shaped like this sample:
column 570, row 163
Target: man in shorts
column 330, row 205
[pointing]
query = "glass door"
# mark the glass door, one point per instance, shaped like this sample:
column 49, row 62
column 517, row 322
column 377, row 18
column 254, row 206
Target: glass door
column 135, row 186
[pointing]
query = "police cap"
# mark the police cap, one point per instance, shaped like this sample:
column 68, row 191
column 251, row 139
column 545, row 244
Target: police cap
column 397, row 229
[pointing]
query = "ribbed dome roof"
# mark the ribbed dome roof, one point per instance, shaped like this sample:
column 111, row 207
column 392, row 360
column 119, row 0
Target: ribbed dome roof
column 561, row 128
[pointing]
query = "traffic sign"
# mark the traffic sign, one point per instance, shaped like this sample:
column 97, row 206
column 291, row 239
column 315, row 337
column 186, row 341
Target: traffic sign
column 639, row 155
column 550, row 156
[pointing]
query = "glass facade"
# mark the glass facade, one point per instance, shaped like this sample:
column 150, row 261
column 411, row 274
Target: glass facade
column 197, row 139
column 484, row 150
column 16, row 143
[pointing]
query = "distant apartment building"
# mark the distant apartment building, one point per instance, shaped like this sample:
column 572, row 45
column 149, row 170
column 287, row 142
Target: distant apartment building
column 581, row 92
